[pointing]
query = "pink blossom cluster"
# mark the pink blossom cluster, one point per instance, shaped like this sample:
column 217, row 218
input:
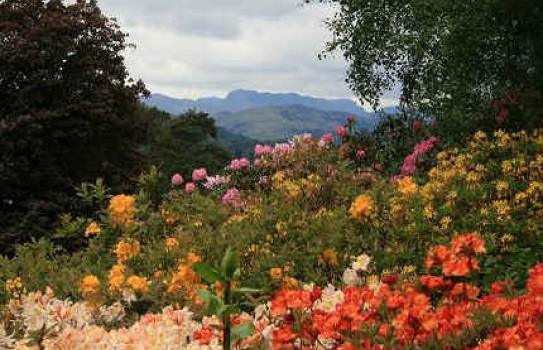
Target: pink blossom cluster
column 326, row 139
column 216, row 181
column 261, row 150
column 239, row 164
column 190, row 187
column 232, row 197
column 341, row 131
column 177, row 180
column 199, row 174
column 410, row 162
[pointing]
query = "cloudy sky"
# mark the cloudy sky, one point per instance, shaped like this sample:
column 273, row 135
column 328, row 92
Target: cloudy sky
column 196, row 48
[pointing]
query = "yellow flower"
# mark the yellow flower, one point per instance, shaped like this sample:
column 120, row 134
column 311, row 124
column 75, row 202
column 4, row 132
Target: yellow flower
column 361, row 207
column 171, row 242
column 92, row 229
column 276, row 273
column 407, row 186
column 126, row 250
column 122, row 209
column 14, row 284
column 138, row 283
column 90, row 284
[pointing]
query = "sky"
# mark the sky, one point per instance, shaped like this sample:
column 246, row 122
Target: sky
column 197, row 48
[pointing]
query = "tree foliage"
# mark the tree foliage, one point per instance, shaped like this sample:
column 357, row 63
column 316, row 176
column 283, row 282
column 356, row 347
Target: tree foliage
column 185, row 142
column 67, row 109
column 455, row 60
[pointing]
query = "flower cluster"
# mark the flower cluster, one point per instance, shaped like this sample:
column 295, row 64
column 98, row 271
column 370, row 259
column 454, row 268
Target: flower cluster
column 122, row 208
column 420, row 150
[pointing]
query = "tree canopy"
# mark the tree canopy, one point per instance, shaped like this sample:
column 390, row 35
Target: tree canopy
column 67, row 108
column 455, row 60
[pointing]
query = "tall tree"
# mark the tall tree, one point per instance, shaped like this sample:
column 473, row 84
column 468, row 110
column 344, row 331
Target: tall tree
column 460, row 61
column 67, row 109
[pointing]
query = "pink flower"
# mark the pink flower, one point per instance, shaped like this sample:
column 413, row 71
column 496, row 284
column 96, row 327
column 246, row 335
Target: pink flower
column 360, row 154
column 327, row 139
column 190, row 187
column 378, row 167
column 199, row 174
column 350, row 119
column 232, row 197
column 215, row 181
column 177, row 180
column 261, row 150
column 341, row 131
column 238, row 164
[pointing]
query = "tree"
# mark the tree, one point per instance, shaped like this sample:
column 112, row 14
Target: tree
column 458, row 61
column 184, row 143
column 67, row 109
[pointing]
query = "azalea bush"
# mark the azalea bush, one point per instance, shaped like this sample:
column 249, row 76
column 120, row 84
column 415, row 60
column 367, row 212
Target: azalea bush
column 442, row 309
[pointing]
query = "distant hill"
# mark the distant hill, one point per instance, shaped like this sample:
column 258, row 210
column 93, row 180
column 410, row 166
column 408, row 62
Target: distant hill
column 270, row 116
column 239, row 100
column 276, row 123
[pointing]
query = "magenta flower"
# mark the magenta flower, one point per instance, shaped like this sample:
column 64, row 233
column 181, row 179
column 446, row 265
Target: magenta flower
column 199, row 174
column 190, row 187
column 177, row 180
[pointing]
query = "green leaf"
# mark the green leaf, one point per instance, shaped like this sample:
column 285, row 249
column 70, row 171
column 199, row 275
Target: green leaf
column 214, row 304
column 247, row 290
column 228, row 309
column 242, row 331
column 207, row 272
column 229, row 263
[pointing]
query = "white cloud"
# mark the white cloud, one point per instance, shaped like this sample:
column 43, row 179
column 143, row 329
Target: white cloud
column 195, row 48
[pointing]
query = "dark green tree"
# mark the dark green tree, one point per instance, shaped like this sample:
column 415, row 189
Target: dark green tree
column 466, row 63
column 184, row 143
column 67, row 110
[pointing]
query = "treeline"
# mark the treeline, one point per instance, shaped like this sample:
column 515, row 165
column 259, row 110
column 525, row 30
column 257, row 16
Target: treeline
column 70, row 113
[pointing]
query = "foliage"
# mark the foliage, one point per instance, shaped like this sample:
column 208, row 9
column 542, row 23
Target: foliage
column 459, row 62
column 67, row 110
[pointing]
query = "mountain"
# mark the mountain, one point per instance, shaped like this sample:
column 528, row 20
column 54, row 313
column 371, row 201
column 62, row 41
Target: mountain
column 239, row 100
column 280, row 122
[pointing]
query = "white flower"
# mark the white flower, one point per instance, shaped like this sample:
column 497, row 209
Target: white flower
column 361, row 263
column 350, row 277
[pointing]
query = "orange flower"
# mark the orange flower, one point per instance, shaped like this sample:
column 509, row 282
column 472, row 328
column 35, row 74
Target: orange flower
column 171, row 242
column 90, row 284
column 361, row 207
column 437, row 255
column 468, row 244
column 92, row 229
column 328, row 258
column 406, row 186
column 460, row 266
column 204, row 335
column 138, row 283
column 126, row 250
column 122, row 209
column 276, row 273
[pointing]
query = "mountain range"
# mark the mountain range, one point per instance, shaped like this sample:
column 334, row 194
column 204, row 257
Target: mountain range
column 269, row 116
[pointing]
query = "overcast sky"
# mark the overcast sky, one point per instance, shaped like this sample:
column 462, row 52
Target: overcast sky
column 196, row 48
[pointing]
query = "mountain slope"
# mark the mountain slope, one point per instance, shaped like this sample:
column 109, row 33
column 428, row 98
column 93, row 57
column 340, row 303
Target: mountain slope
column 279, row 122
column 239, row 100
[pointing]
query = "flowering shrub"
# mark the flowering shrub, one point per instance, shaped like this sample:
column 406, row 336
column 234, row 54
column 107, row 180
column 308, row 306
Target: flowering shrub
column 439, row 310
